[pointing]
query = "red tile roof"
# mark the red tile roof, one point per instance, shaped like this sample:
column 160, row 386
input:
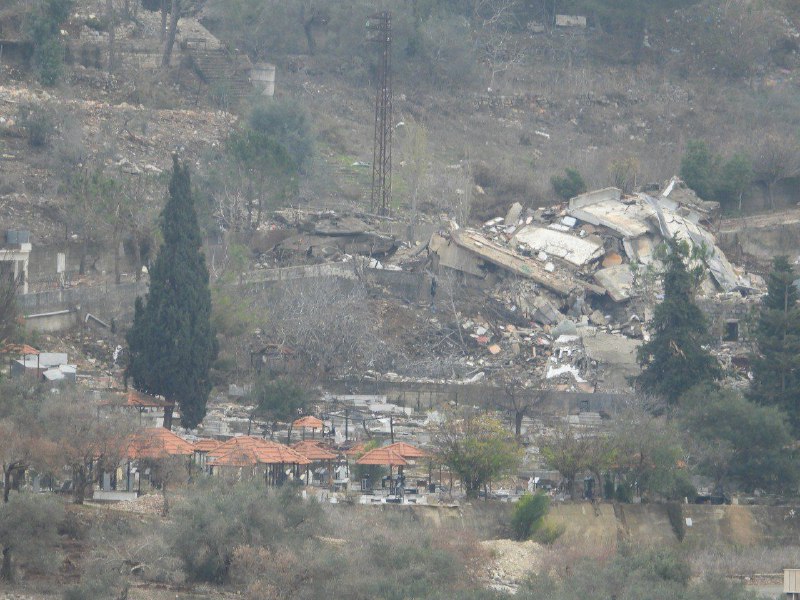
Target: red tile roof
column 308, row 422
column 206, row 445
column 382, row 456
column 157, row 442
column 314, row 450
column 356, row 450
column 21, row 349
column 247, row 451
column 142, row 400
column 407, row 450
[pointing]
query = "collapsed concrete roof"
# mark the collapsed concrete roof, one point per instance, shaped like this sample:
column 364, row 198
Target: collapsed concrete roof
column 485, row 250
column 571, row 248
column 642, row 219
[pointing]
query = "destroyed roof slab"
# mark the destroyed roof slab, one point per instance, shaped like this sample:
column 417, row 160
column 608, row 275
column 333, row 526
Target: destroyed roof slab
column 606, row 208
column 559, row 282
column 618, row 281
column 568, row 247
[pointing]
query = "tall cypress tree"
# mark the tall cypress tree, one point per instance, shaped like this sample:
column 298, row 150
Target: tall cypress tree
column 674, row 360
column 172, row 343
column 776, row 365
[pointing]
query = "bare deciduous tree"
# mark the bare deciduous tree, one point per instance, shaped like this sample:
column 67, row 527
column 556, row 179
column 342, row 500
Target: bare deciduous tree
column 501, row 46
column 89, row 440
column 9, row 314
column 777, row 159
column 328, row 323
column 175, row 13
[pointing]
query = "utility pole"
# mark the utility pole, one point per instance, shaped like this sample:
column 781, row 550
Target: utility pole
column 380, row 32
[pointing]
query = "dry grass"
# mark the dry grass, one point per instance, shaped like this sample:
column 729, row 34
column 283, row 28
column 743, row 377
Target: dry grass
column 743, row 560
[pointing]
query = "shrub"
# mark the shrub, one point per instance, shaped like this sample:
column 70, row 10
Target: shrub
column 698, row 169
column 528, row 515
column 44, row 31
column 207, row 530
column 38, row 124
column 287, row 124
column 675, row 515
column 549, row 532
column 569, row 185
column 714, row 178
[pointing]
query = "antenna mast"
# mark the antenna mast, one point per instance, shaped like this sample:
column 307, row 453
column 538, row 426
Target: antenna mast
column 380, row 27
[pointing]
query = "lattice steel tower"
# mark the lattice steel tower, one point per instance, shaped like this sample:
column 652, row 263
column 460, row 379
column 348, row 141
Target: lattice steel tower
column 380, row 32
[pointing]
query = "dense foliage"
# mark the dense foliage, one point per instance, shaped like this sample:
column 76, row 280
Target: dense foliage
column 528, row 515
column 277, row 400
column 735, row 440
column 776, row 365
column 674, row 360
column 44, row 31
column 172, row 344
column 477, row 449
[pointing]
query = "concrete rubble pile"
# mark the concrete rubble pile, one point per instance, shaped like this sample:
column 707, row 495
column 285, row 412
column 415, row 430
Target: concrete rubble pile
column 582, row 279
column 327, row 235
column 602, row 244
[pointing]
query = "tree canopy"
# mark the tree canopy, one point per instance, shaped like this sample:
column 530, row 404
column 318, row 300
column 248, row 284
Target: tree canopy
column 477, row 448
column 674, row 360
column 277, row 400
column 776, row 365
column 172, row 343
column 735, row 439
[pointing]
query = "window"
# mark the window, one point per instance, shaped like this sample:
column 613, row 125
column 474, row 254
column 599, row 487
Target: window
column 731, row 333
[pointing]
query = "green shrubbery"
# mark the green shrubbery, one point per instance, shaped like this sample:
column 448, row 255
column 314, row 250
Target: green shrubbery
column 44, row 30
column 713, row 177
column 528, row 515
column 568, row 185
column 39, row 124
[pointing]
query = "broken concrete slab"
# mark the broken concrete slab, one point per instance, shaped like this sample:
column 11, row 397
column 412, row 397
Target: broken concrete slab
column 605, row 207
column 616, row 356
column 571, row 248
column 640, row 249
column 560, row 282
column 453, row 256
column 565, row 327
column 512, row 217
column 618, row 282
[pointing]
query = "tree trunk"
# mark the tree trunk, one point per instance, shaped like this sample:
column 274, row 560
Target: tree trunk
column 111, row 33
column 173, row 28
column 518, row 422
column 168, row 417
column 165, row 507
column 137, row 256
column 79, row 482
column 84, row 254
column 308, row 28
column 163, row 20
column 117, row 274
column 6, row 484
column 6, row 572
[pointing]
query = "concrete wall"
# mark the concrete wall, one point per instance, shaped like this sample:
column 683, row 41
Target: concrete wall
column 52, row 322
column 109, row 300
column 424, row 396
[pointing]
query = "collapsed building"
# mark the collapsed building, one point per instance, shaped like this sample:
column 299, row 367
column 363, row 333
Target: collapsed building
column 564, row 292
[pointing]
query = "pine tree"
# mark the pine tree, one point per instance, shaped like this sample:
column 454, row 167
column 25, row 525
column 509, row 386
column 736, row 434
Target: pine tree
column 172, row 343
column 776, row 366
column 674, row 360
